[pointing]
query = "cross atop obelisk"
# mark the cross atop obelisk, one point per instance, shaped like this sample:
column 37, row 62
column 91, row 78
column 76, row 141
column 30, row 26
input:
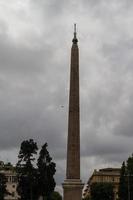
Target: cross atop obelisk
column 75, row 33
column 72, row 185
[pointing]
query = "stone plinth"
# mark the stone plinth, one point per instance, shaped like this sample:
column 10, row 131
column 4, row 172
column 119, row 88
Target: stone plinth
column 72, row 189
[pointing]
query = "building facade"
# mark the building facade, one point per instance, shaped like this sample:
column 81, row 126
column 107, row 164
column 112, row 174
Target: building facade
column 106, row 175
column 11, row 176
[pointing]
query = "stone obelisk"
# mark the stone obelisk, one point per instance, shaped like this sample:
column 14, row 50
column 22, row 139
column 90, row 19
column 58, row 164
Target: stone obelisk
column 72, row 185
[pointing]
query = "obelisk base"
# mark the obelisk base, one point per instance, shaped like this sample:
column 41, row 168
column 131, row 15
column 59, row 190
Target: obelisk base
column 72, row 189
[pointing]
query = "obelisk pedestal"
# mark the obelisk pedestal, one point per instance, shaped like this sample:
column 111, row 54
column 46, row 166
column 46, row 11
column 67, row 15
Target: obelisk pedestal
column 72, row 185
column 72, row 189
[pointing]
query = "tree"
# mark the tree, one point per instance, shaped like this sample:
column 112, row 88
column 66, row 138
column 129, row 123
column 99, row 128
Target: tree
column 46, row 171
column 123, row 189
column 56, row 196
column 126, row 180
column 3, row 190
column 27, row 174
column 130, row 176
column 87, row 198
column 102, row 191
column 35, row 182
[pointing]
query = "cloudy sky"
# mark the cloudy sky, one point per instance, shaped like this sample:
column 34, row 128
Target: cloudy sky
column 35, row 43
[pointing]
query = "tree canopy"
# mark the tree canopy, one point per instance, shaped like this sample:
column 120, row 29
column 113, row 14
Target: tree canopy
column 56, row 196
column 123, row 189
column 102, row 191
column 27, row 174
column 35, row 176
column 87, row 198
column 46, row 171
column 126, row 180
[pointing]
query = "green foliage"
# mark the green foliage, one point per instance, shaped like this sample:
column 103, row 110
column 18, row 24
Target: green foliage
column 3, row 190
column 27, row 174
column 130, row 176
column 46, row 171
column 126, row 180
column 56, row 196
column 27, row 151
column 87, row 198
column 102, row 191
column 34, row 182
column 6, row 166
column 123, row 189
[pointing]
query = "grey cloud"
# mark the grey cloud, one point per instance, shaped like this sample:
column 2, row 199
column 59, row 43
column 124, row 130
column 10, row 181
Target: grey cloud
column 34, row 80
column 49, row 8
column 27, row 97
column 16, row 59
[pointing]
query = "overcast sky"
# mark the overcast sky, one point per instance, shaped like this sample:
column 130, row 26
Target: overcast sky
column 35, row 44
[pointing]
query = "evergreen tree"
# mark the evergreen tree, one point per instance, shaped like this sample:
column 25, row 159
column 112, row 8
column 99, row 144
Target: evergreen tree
column 35, row 182
column 126, row 180
column 87, row 198
column 102, row 191
column 27, row 174
column 130, row 177
column 123, row 189
column 3, row 190
column 56, row 196
column 46, row 171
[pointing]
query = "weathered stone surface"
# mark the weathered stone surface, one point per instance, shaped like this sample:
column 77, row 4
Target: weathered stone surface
column 72, row 189
column 73, row 148
column 72, row 185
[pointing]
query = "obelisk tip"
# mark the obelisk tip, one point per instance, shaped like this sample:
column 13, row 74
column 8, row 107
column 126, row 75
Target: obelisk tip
column 75, row 35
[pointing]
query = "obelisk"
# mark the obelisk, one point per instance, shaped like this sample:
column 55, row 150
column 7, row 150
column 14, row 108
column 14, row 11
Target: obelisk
column 72, row 185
